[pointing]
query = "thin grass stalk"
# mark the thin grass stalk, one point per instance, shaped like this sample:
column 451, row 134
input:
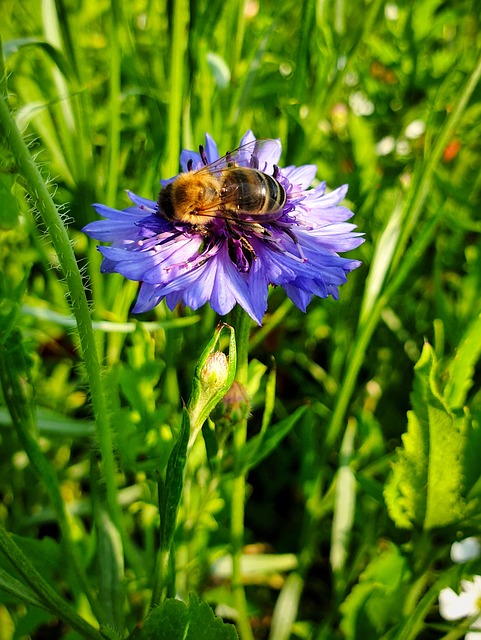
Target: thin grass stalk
column 304, row 43
column 80, row 99
column 114, row 105
column 332, row 90
column 177, row 59
column 238, row 27
column 365, row 332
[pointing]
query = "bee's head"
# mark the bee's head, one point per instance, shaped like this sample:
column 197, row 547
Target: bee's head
column 187, row 196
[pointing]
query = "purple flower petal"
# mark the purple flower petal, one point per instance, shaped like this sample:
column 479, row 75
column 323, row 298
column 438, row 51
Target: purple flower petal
column 233, row 259
column 300, row 176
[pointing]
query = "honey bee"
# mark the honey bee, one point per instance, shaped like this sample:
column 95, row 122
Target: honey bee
column 227, row 190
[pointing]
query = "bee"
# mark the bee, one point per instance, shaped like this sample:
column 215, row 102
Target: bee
column 242, row 196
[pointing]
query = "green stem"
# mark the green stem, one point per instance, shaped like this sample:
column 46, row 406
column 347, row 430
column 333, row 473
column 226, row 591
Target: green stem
column 50, row 599
column 43, row 202
column 239, row 485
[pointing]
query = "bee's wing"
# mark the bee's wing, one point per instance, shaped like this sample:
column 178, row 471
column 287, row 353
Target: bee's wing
column 248, row 156
column 238, row 203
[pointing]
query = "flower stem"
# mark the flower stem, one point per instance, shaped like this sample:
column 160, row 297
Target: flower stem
column 43, row 202
column 239, row 485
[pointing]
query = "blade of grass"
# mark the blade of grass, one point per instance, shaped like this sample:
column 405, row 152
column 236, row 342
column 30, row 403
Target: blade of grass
column 114, row 105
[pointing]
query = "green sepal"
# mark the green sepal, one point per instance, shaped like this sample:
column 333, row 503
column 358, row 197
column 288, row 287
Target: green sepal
column 206, row 393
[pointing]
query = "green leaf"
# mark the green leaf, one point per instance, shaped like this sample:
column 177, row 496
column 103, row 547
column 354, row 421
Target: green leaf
column 425, row 488
column 55, row 425
column 45, row 555
column 110, row 567
column 345, row 503
column 174, row 620
column 27, row 625
column 17, row 590
column 373, row 604
column 11, row 47
column 381, row 260
column 260, row 446
column 174, row 483
column 462, row 366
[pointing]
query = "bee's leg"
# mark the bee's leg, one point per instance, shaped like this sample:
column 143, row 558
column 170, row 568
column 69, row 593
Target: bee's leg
column 241, row 252
column 249, row 248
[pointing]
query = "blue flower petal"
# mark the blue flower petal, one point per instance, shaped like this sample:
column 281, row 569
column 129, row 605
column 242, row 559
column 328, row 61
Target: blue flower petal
column 235, row 262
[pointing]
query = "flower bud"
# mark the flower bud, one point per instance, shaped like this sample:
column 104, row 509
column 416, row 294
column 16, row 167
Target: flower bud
column 213, row 376
column 214, row 372
column 231, row 410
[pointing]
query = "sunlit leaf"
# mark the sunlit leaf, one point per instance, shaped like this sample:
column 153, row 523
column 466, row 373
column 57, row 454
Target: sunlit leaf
column 426, row 485
column 174, row 620
column 462, row 366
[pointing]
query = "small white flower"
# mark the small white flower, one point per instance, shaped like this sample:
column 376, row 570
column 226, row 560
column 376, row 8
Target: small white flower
column 385, row 146
column 464, row 550
column 415, row 129
column 468, row 603
column 391, row 11
column 402, row 147
column 360, row 104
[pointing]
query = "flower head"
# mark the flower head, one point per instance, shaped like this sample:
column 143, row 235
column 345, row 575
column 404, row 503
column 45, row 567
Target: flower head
column 465, row 550
column 468, row 603
column 222, row 235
